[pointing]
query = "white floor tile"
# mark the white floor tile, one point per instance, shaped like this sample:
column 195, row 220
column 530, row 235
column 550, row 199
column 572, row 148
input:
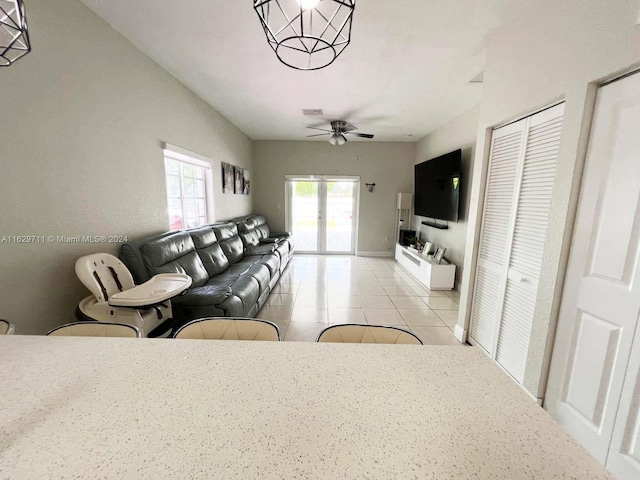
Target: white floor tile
column 422, row 291
column 370, row 290
column 383, row 316
column 280, row 314
column 280, row 299
column 421, row 318
column 411, row 303
column 316, row 291
column 449, row 317
column 310, row 300
column 440, row 303
column 400, row 291
column 344, row 301
column 308, row 315
column 303, row 332
column 435, row 335
column 346, row 315
column 391, row 282
column 376, row 301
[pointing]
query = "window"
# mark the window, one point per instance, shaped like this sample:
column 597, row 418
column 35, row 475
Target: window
column 189, row 188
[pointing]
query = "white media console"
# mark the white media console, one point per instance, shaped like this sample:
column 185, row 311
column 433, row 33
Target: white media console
column 434, row 276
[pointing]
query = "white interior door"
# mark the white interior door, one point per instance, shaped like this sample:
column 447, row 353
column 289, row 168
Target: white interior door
column 601, row 298
column 322, row 213
column 534, row 193
column 506, row 149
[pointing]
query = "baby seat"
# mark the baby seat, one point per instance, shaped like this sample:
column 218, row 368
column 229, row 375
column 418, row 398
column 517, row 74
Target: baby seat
column 117, row 299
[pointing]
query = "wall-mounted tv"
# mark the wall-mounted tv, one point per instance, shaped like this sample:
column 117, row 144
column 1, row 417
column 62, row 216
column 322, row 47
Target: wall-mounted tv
column 437, row 187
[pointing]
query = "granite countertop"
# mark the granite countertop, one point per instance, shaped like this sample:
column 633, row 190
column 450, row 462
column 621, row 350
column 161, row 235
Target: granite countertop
column 153, row 408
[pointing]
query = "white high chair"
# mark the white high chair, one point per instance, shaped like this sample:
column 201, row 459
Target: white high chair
column 116, row 299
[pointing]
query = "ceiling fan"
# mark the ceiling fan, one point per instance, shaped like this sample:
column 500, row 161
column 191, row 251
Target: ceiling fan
column 339, row 132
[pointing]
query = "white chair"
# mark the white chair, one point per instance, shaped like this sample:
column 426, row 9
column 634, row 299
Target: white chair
column 116, row 299
column 95, row 329
column 354, row 333
column 6, row 327
column 224, row 328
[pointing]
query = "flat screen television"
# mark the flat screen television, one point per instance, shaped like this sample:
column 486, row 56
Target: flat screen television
column 437, row 187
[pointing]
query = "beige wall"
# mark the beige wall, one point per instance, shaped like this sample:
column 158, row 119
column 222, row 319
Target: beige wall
column 555, row 50
column 459, row 133
column 388, row 165
column 82, row 122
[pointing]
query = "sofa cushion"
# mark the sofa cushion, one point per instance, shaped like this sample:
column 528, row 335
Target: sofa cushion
column 262, row 275
column 250, row 239
column 209, row 251
column 174, row 254
column 131, row 256
column 272, row 262
column 247, row 289
column 232, row 246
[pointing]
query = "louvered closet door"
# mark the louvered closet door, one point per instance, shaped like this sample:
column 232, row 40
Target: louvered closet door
column 495, row 236
column 527, row 244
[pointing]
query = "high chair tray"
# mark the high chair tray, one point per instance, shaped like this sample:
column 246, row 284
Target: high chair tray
column 160, row 288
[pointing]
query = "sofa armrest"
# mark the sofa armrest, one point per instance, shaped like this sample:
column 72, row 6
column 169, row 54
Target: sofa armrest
column 279, row 234
column 266, row 241
column 260, row 249
column 205, row 295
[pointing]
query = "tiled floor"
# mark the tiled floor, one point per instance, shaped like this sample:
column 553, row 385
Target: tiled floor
column 317, row 291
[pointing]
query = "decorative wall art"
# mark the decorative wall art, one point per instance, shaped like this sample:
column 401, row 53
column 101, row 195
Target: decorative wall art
column 247, row 182
column 239, row 180
column 228, row 178
column 235, row 180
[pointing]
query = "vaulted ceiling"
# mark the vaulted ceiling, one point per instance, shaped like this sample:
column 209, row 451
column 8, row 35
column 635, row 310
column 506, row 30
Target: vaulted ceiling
column 406, row 72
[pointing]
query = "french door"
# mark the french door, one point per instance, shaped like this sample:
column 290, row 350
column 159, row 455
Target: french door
column 322, row 213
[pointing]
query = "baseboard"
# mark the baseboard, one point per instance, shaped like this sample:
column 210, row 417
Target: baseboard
column 374, row 254
column 460, row 333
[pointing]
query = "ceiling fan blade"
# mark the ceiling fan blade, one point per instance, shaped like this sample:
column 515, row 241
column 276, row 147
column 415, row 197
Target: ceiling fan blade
column 349, row 127
column 363, row 135
column 321, row 129
column 319, row 135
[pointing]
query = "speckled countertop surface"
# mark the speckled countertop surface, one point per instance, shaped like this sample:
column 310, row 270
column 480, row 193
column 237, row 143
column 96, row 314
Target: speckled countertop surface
column 196, row 409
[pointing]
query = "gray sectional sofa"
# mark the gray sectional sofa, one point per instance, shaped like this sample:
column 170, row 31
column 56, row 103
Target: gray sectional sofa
column 234, row 265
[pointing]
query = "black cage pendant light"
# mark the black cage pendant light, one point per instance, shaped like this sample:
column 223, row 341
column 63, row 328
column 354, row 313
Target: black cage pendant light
column 306, row 34
column 14, row 38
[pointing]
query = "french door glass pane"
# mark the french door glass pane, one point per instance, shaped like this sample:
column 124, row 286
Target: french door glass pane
column 339, row 215
column 305, row 215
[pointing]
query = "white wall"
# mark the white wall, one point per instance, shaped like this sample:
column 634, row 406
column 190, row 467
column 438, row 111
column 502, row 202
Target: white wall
column 460, row 133
column 83, row 119
column 388, row 165
column 554, row 50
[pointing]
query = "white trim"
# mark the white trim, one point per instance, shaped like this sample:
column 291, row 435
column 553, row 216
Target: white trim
column 374, row 254
column 460, row 333
column 184, row 155
column 180, row 154
column 531, row 113
column 320, row 178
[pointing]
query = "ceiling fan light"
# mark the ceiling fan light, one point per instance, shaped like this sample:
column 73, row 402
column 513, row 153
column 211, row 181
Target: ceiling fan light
column 337, row 139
